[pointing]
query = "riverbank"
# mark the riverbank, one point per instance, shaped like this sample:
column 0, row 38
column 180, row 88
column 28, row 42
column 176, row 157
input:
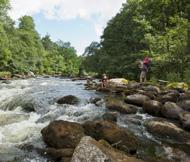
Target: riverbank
column 57, row 119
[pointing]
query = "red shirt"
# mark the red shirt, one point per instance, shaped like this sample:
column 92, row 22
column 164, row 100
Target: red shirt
column 146, row 60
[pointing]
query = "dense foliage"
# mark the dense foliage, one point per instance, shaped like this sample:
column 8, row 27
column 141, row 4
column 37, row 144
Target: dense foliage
column 22, row 49
column 157, row 28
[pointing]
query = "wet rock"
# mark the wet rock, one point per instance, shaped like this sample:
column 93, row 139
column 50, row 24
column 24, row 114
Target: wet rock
column 151, row 95
column 105, row 90
column 152, row 107
column 56, row 153
column 185, row 120
column 178, row 155
column 134, row 85
column 184, row 96
column 62, row 134
column 184, row 104
column 96, row 100
column 27, row 103
column 119, row 137
column 110, row 116
column 170, row 97
column 70, row 99
column 168, row 130
column 120, row 106
column 28, row 107
column 129, row 92
column 171, row 110
column 89, row 150
column 136, row 99
column 151, row 88
column 6, row 82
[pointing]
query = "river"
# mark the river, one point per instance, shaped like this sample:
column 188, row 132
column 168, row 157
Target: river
column 20, row 126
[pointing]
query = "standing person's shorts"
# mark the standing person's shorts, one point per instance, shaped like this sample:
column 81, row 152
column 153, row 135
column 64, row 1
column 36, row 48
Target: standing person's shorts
column 143, row 74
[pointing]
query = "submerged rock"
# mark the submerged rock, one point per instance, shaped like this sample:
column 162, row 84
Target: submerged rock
column 89, row 150
column 96, row 101
column 171, row 110
column 168, row 130
column 70, row 99
column 121, row 138
column 6, row 119
column 62, row 134
column 110, row 116
column 27, row 103
column 152, row 107
column 136, row 99
column 120, row 106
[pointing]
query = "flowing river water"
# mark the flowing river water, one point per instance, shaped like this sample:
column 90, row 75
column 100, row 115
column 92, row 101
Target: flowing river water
column 20, row 126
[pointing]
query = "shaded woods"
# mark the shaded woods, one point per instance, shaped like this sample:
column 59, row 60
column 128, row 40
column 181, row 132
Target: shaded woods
column 159, row 29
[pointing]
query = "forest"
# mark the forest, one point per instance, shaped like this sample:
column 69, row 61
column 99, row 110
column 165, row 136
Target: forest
column 23, row 50
column 159, row 29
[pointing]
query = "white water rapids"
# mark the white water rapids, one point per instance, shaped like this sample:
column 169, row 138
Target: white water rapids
column 19, row 127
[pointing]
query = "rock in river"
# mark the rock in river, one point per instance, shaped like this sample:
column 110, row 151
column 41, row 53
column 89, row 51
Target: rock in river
column 120, row 137
column 171, row 110
column 185, row 120
column 62, row 134
column 184, row 104
column 120, row 106
column 152, row 107
column 90, row 150
column 136, row 99
column 168, row 131
column 70, row 99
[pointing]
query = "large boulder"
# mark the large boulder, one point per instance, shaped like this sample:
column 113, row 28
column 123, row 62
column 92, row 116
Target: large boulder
column 168, row 130
column 184, row 104
column 185, row 120
column 171, row 110
column 152, row 107
column 136, row 99
column 119, row 137
column 120, row 106
column 70, row 99
column 89, row 150
column 62, row 134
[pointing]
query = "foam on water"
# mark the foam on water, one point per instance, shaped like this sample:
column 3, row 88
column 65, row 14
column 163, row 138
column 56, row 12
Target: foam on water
column 20, row 127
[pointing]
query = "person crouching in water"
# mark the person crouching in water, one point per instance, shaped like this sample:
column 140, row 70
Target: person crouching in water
column 104, row 81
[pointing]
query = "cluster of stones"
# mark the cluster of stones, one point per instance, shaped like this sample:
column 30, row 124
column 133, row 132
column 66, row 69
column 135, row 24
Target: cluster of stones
column 104, row 140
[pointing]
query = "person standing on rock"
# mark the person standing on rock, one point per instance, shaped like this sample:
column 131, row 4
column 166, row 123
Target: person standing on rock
column 144, row 67
column 143, row 73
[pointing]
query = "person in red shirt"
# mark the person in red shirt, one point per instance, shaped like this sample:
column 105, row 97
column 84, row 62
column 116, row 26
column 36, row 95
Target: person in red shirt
column 146, row 63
